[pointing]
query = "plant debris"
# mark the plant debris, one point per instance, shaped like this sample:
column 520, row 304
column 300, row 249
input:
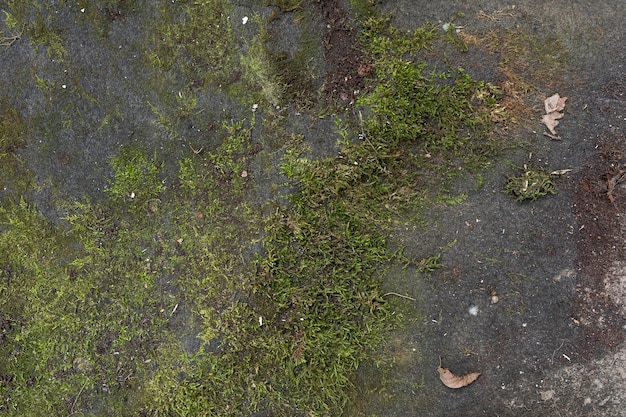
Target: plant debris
column 531, row 184
column 554, row 105
column 451, row 380
column 613, row 181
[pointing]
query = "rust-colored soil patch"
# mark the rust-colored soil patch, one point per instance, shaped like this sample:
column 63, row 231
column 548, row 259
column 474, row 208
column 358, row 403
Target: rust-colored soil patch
column 599, row 206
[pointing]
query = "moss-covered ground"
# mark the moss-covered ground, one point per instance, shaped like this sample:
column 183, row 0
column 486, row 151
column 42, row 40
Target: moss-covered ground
column 180, row 288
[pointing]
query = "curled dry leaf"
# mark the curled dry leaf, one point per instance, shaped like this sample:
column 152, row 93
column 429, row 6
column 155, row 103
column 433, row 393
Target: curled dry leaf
column 451, row 380
column 554, row 103
column 550, row 120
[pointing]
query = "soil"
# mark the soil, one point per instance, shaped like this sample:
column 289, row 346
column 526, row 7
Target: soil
column 532, row 295
column 346, row 64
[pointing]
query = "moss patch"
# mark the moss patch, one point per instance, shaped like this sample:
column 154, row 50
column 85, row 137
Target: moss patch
column 424, row 120
column 15, row 176
column 530, row 185
column 196, row 41
column 178, row 293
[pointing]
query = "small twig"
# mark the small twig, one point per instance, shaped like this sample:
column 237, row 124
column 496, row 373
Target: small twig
column 10, row 40
column 399, row 295
column 556, row 350
column 77, row 396
column 612, row 182
column 551, row 136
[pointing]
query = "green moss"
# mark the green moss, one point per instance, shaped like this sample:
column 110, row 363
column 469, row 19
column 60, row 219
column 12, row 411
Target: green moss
column 287, row 5
column 38, row 302
column 231, row 158
column 15, row 177
column 98, row 316
column 15, row 33
column 35, row 20
column 530, row 185
column 43, row 33
column 178, row 295
column 436, row 109
column 380, row 38
column 196, row 40
column 259, row 75
column 422, row 116
column 312, row 313
column 298, row 83
column 364, row 9
column 137, row 181
column 285, row 334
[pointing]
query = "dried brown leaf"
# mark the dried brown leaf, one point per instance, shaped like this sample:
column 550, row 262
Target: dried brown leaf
column 554, row 103
column 550, row 120
column 451, row 380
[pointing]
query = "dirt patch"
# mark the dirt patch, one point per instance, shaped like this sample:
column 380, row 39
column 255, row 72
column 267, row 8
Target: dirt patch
column 599, row 207
column 346, row 67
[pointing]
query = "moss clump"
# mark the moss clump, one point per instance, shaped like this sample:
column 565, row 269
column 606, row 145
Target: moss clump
column 198, row 42
column 264, row 84
column 36, row 21
column 293, row 74
column 411, row 106
column 94, row 310
column 445, row 110
column 530, row 185
column 15, row 176
column 305, row 318
column 158, row 304
column 137, row 179
column 155, row 299
column 420, row 126
column 12, row 128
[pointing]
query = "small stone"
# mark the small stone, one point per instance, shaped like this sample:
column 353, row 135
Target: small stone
column 473, row 310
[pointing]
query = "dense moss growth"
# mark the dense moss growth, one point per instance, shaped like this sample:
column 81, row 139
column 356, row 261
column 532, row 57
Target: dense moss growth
column 440, row 113
column 179, row 293
column 159, row 270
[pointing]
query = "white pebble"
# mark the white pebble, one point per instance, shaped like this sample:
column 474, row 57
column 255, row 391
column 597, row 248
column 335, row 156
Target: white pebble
column 473, row 310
